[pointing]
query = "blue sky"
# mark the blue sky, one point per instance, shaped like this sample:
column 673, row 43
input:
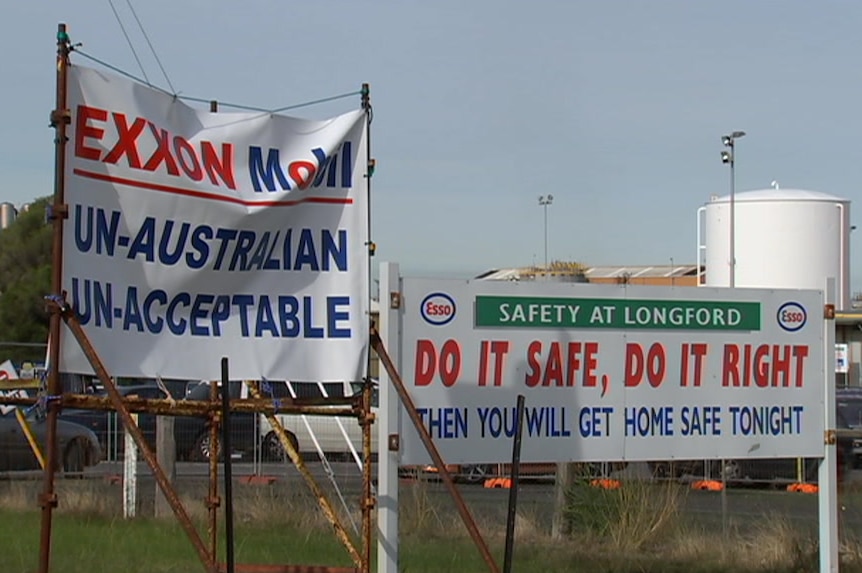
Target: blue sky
column 614, row 107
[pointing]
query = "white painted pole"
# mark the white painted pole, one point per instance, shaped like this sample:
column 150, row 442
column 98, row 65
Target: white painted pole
column 828, row 471
column 388, row 423
column 130, row 470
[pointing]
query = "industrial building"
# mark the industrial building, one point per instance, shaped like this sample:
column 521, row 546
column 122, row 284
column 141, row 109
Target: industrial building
column 780, row 238
column 8, row 214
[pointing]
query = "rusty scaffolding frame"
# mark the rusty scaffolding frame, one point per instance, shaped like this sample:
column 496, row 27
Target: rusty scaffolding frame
column 357, row 406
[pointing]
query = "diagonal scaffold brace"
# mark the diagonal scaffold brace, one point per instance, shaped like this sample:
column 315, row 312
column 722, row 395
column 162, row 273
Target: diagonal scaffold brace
column 67, row 314
column 442, row 471
column 322, row 499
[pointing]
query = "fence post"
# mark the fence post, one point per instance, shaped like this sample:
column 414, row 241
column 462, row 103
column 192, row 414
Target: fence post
column 166, row 453
column 565, row 479
column 130, row 474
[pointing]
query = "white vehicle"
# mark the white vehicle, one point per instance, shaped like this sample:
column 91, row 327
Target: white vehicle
column 334, row 436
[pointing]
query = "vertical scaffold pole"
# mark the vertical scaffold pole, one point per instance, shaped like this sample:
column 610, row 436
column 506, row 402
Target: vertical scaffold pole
column 60, row 118
column 213, row 500
column 367, row 496
column 368, row 502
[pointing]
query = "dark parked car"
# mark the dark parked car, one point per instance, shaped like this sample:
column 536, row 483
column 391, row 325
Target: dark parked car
column 191, row 433
column 798, row 469
column 848, row 405
column 676, row 469
column 77, row 448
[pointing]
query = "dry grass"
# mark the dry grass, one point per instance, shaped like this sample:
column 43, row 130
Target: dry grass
column 638, row 527
column 638, row 514
column 74, row 496
column 777, row 547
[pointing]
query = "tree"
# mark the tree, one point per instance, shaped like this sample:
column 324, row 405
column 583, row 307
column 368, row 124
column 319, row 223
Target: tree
column 25, row 279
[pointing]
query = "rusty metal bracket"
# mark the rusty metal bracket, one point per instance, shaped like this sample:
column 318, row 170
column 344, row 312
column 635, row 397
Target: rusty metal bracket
column 60, row 117
column 53, row 212
column 394, row 442
column 830, row 437
column 829, row 311
column 48, row 500
column 56, row 304
column 394, row 300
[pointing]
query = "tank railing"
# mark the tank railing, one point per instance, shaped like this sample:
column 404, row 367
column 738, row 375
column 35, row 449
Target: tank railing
column 701, row 246
column 843, row 302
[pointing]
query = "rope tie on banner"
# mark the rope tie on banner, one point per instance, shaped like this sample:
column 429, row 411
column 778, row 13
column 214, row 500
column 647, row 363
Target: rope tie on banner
column 160, row 383
column 47, row 399
column 267, row 388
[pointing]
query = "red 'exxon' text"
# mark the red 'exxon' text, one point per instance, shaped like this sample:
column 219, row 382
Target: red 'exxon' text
column 172, row 154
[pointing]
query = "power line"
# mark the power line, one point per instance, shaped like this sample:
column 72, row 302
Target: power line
column 129, row 41
column 221, row 103
column 150, row 44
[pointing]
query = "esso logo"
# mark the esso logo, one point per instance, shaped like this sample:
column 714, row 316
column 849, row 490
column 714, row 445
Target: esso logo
column 438, row 309
column 791, row 316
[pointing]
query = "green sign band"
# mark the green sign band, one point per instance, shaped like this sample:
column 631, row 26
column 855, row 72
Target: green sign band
column 540, row 312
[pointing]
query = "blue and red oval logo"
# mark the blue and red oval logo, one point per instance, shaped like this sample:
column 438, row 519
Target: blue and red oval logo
column 438, row 308
column 791, row 316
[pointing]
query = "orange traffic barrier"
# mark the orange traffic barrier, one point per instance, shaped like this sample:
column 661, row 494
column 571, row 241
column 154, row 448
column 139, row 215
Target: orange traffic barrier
column 606, row 483
column 803, row 488
column 504, row 483
column 707, row 485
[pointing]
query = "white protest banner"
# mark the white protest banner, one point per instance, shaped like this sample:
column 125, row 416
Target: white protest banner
column 194, row 235
column 8, row 375
column 612, row 372
column 8, row 371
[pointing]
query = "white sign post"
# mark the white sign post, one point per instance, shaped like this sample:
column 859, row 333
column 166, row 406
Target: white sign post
column 130, row 474
column 388, row 424
column 827, row 476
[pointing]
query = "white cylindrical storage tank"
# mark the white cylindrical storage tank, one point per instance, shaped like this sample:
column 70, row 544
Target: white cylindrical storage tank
column 784, row 238
column 7, row 214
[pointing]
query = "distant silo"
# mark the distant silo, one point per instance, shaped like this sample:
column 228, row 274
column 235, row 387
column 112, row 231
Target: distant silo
column 784, row 238
column 8, row 213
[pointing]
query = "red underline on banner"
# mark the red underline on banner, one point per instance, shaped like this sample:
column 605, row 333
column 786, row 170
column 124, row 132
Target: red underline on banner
column 211, row 196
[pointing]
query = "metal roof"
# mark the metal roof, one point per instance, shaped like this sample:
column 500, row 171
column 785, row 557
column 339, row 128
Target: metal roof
column 780, row 195
column 640, row 271
column 636, row 271
column 501, row 274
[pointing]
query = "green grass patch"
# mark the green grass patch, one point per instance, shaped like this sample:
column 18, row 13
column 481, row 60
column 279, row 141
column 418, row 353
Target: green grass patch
column 635, row 529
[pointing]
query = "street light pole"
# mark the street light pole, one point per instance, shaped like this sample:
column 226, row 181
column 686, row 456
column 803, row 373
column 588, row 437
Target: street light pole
column 729, row 157
column 544, row 201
